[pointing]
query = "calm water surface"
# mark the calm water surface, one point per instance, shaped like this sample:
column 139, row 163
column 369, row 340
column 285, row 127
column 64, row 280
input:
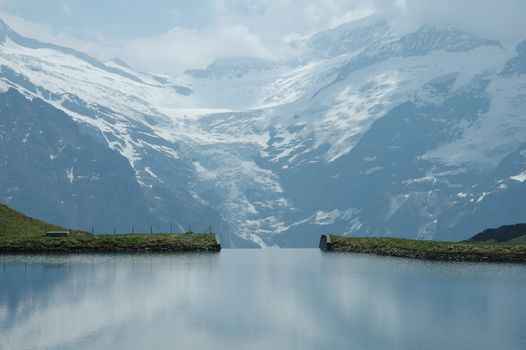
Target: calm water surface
column 270, row 299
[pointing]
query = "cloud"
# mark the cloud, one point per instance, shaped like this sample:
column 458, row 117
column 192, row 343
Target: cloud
column 274, row 19
column 182, row 48
column 503, row 19
column 269, row 29
column 251, row 28
column 275, row 29
column 98, row 45
column 66, row 8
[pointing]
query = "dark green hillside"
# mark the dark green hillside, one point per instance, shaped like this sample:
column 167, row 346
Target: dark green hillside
column 520, row 239
column 503, row 234
column 14, row 223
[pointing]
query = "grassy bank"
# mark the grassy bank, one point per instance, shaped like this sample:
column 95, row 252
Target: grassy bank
column 13, row 222
column 82, row 242
column 430, row 250
column 22, row 234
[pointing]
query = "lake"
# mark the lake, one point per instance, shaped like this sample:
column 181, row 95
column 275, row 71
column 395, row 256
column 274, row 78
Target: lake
column 258, row 299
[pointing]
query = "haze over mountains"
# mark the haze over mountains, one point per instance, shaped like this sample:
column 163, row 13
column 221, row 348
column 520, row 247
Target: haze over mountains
column 370, row 132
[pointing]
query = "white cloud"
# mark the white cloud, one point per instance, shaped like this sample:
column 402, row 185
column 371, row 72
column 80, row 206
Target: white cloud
column 275, row 29
column 503, row 19
column 253, row 28
column 182, row 48
column 349, row 16
column 98, row 45
column 272, row 29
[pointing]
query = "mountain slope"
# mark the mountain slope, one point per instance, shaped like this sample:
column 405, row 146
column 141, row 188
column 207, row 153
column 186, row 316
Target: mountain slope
column 13, row 222
column 51, row 169
column 504, row 234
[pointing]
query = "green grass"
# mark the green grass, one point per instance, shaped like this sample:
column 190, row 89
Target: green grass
column 20, row 233
column 79, row 242
column 431, row 250
column 12, row 222
column 521, row 239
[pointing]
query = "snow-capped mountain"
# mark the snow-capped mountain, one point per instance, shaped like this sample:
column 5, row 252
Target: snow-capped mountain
column 369, row 132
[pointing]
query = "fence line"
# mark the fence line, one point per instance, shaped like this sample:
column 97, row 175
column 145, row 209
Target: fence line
column 207, row 230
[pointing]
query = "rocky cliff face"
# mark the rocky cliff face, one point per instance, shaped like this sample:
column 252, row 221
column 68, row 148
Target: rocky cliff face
column 52, row 168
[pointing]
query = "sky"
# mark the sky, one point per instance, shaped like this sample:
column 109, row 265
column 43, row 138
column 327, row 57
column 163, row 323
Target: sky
column 170, row 36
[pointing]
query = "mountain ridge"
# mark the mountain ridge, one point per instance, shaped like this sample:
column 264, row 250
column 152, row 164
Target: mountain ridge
column 503, row 234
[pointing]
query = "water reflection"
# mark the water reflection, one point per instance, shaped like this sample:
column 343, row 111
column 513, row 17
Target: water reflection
column 283, row 299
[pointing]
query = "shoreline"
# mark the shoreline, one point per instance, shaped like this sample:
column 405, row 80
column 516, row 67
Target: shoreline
column 426, row 250
column 105, row 244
